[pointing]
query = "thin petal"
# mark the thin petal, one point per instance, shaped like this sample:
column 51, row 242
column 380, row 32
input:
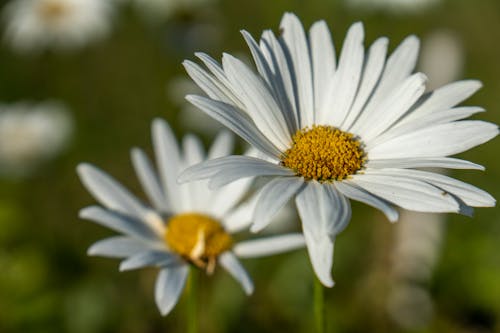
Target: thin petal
column 345, row 82
column 237, row 121
column 169, row 285
column 119, row 222
column 436, row 141
column 242, row 166
column 227, row 197
column 150, row 258
column 272, row 197
column 423, row 162
column 149, row 180
column 241, row 217
column 269, row 246
column 119, row 247
column 229, row 261
column 222, row 145
column 294, row 37
column 354, row 192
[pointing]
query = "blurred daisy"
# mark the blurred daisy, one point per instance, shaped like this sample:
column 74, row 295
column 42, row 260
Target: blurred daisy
column 31, row 134
column 186, row 224
column 61, row 24
column 332, row 130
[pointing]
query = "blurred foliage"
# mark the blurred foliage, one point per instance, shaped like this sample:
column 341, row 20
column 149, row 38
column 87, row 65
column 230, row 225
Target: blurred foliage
column 116, row 87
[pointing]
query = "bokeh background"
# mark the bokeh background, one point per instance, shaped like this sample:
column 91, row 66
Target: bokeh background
column 428, row 274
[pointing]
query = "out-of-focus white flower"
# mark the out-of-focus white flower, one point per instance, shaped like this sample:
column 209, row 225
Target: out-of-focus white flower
column 186, row 225
column 31, row 134
column 60, row 24
column 442, row 57
column 393, row 6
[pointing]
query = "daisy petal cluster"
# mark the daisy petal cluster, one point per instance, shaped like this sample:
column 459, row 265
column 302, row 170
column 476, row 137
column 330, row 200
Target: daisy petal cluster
column 183, row 225
column 60, row 24
column 357, row 124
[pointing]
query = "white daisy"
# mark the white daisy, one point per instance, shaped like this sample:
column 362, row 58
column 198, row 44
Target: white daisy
column 355, row 128
column 31, row 134
column 185, row 224
column 61, row 24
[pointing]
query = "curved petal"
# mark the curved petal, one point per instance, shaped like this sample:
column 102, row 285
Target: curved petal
column 244, row 166
column 436, row 141
column 272, row 197
column 241, row 217
column 423, row 162
column 236, row 121
column 229, row 261
column 119, row 247
column 269, row 246
column 169, row 285
column 227, row 197
column 222, row 145
column 150, row 258
column 354, row 192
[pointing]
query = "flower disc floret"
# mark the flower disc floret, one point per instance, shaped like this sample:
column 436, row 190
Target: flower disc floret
column 324, row 153
column 197, row 237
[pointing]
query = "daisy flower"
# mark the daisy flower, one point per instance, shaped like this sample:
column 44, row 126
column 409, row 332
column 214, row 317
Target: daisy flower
column 61, row 24
column 333, row 130
column 31, row 134
column 185, row 224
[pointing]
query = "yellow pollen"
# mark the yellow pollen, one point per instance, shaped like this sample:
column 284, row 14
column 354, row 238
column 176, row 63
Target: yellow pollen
column 51, row 10
column 324, row 153
column 198, row 238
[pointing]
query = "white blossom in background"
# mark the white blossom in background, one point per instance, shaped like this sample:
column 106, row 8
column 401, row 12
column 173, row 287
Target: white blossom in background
column 333, row 127
column 392, row 6
column 183, row 226
column 33, row 25
column 31, row 134
column 419, row 236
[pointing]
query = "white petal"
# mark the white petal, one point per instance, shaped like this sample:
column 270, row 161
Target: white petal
column 227, row 197
column 324, row 213
column 258, row 100
column 272, row 197
column 149, row 180
column 197, row 194
column 119, row 222
column 119, row 247
column 241, row 217
column 437, row 117
column 408, row 193
column 372, row 69
column 436, row 141
column 168, row 161
column 277, row 54
column 222, row 145
column 150, row 258
column 323, row 60
column 354, row 192
column 345, row 82
column 470, row 195
column 274, row 80
column 443, row 98
column 229, row 261
column 237, row 121
column 376, row 120
column 241, row 166
column 423, row 162
column 295, row 39
column 269, row 246
column 109, row 192
column 169, row 285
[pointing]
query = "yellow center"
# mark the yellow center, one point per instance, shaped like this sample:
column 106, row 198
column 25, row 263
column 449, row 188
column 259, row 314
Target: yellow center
column 52, row 10
column 324, row 153
column 198, row 238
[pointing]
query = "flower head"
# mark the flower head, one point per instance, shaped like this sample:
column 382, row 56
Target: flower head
column 332, row 130
column 185, row 225
column 61, row 24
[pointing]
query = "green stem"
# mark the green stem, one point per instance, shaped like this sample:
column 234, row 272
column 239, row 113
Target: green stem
column 192, row 301
column 319, row 306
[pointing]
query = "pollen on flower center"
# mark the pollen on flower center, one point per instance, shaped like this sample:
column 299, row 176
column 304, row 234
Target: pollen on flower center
column 324, row 153
column 198, row 238
column 52, row 10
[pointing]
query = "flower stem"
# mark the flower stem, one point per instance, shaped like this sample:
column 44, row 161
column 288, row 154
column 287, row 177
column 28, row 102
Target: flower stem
column 319, row 306
column 192, row 301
